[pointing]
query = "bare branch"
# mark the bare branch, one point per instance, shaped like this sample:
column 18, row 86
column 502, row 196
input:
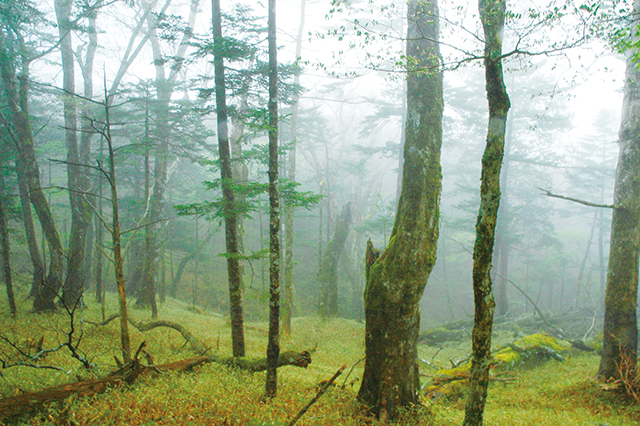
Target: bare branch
column 576, row 200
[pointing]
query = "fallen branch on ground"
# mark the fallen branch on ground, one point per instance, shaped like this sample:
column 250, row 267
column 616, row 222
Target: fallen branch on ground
column 321, row 391
column 127, row 374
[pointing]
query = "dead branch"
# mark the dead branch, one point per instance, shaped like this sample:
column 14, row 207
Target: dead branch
column 576, row 200
column 321, row 391
column 127, row 374
column 199, row 347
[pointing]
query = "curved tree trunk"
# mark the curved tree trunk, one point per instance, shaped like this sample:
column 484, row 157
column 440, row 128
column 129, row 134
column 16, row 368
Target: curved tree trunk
column 620, row 339
column 492, row 15
column 396, row 281
column 16, row 88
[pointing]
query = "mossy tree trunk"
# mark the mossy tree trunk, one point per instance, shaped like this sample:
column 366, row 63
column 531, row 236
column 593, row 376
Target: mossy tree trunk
column 396, row 280
column 620, row 339
column 230, row 212
column 328, row 274
column 492, row 15
column 273, row 345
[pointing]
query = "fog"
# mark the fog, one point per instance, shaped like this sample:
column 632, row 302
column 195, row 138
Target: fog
column 561, row 137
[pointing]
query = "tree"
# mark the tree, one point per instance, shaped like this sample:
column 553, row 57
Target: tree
column 492, row 15
column 6, row 249
column 397, row 279
column 273, row 346
column 15, row 61
column 118, row 264
column 287, row 302
column 77, row 158
column 328, row 274
column 230, row 214
column 620, row 338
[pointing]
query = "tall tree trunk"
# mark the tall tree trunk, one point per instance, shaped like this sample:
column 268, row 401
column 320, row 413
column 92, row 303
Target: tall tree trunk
column 273, row 346
column 492, row 15
column 99, row 239
column 287, row 293
column 77, row 175
column 155, row 223
column 328, row 274
column 620, row 339
column 16, row 87
column 503, row 246
column 397, row 279
column 230, row 213
column 118, row 265
column 86, row 136
column 6, row 251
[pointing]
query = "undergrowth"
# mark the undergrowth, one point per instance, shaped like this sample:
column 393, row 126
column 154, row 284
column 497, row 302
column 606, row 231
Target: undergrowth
column 548, row 393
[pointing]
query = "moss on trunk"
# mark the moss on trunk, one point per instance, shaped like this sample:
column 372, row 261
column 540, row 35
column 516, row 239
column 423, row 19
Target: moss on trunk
column 396, row 280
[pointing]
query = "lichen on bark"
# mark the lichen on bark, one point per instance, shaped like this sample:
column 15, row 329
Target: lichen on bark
column 396, row 280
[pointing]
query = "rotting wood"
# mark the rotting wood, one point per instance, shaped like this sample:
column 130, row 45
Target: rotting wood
column 196, row 345
column 22, row 404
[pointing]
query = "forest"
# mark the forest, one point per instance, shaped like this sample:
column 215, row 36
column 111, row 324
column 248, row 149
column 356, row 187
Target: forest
column 351, row 212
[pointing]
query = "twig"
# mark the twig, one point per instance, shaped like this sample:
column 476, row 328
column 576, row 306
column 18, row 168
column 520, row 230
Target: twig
column 351, row 371
column 593, row 323
column 322, row 390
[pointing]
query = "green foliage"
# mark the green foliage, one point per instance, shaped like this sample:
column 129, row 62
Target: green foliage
column 249, row 191
column 549, row 393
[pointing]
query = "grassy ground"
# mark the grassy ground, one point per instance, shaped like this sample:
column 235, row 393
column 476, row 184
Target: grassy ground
column 548, row 393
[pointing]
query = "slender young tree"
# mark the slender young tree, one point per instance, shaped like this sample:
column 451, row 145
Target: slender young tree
column 231, row 228
column 620, row 339
column 118, row 263
column 273, row 346
column 492, row 15
column 397, row 279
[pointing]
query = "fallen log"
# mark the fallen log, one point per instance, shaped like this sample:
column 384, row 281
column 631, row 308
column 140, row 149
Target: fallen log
column 32, row 401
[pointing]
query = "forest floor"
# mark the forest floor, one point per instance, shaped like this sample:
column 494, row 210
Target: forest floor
column 546, row 393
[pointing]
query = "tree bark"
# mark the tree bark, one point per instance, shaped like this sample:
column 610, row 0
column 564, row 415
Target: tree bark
column 397, row 279
column 620, row 339
column 16, row 88
column 492, row 15
column 37, row 263
column 328, row 275
column 6, row 251
column 230, row 211
column 77, row 175
column 273, row 345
